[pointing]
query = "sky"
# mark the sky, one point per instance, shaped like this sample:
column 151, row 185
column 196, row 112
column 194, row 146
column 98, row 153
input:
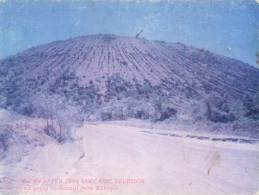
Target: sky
column 227, row 27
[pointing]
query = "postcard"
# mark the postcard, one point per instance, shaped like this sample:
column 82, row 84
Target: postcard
column 144, row 97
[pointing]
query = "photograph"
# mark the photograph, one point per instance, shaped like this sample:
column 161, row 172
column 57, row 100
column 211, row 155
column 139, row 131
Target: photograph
column 129, row 97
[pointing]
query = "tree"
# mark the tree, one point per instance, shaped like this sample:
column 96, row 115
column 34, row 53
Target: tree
column 62, row 116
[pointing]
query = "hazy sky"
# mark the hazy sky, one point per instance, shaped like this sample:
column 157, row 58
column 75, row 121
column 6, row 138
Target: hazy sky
column 227, row 27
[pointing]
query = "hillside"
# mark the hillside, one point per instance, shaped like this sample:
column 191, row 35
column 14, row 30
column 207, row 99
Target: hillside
column 108, row 77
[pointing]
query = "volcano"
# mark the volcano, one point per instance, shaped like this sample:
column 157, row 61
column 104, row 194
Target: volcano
column 104, row 71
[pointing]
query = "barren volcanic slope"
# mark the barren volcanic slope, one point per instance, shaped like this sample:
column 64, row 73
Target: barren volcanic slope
column 95, row 70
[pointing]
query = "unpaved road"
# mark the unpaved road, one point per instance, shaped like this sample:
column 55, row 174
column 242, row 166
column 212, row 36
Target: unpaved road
column 108, row 158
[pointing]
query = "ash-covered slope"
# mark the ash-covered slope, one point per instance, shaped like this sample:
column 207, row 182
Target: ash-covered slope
column 93, row 71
